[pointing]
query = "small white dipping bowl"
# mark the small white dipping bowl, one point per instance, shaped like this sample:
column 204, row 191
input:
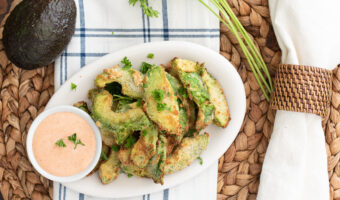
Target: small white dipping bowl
column 35, row 124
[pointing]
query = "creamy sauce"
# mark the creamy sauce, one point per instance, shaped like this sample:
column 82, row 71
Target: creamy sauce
column 63, row 161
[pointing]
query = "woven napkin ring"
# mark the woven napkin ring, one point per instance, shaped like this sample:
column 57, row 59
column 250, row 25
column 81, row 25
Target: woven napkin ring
column 302, row 89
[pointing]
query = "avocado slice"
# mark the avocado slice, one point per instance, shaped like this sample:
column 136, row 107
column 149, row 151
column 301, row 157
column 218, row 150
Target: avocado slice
column 160, row 101
column 109, row 169
column 189, row 73
column 130, row 80
column 145, row 147
column 186, row 152
column 37, row 31
column 128, row 121
column 217, row 98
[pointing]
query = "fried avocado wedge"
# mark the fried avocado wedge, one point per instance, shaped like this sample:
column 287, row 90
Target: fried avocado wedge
column 160, row 101
column 109, row 169
column 183, row 103
column 145, row 147
column 190, row 75
column 131, row 80
column 217, row 98
column 184, row 112
column 186, row 152
column 131, row 120
column 155, row 168
column 126, row 164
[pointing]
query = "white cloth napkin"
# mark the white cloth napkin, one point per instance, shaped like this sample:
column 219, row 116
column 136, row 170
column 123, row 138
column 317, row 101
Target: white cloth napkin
column 109, row 25
column 295, row 165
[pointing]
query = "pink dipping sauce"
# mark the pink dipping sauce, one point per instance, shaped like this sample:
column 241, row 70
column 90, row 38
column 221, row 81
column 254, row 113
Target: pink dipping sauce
column 63, row 161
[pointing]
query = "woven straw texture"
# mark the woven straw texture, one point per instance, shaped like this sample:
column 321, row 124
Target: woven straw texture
column 25, row 93
column 302, row 89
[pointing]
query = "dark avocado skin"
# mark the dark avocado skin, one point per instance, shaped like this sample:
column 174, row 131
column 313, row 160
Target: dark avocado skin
column 37, row 31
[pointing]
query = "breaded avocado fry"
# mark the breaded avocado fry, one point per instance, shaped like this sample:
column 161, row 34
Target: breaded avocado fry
column 131, row 80
column 155, row 168
column 186, row 152
column 126, row 163
column 217, row 98
column 145, row 147
column 107, row 137
column 160, row 101
column 190, row 75
column 184, row 112
column 130, row 120
column 109, row 169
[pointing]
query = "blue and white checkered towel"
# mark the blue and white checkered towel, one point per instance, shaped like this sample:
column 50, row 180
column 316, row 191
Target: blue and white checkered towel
column 109, row 25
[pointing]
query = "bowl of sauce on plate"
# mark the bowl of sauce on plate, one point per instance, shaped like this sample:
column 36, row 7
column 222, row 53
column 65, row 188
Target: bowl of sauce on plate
column 64, row 144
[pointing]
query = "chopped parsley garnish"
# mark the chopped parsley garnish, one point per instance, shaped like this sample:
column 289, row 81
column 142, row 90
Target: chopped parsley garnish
column 148, row 10
column 144, row 133
column 130, row 175
column 115, row 148
column 139, row 102
column 163, row 131
column 73, row 138
column 60, row 143
column 103, row 156
column 158, row 95
column 127, row 63
column 190, row 132
column 145, row 67
column 161, row 106
column 130, row 141
column 151, row 55
column 182, row 92
column 73, row 86
column 200, row 159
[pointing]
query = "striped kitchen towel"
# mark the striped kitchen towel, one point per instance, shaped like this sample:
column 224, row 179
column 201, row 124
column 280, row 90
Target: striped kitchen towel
column 105, row 26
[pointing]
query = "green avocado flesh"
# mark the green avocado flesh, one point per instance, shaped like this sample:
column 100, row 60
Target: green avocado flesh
column 37, row 31
column 129, row 121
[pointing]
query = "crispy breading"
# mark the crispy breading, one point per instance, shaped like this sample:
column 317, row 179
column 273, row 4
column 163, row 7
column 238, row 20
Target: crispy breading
column 155, row 168
column 125, row 122
column 145, row 147
column 186, row 152
column 127, row 165
column 109, row 169
column 129, row 79
column 189, row 73
column 217, row 98
column 166, row 118
column 107, row 137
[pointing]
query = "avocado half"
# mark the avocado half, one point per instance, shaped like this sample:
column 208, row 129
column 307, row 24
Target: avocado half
column 37, row 31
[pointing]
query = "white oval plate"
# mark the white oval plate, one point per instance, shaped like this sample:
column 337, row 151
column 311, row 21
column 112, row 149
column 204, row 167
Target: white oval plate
column 220, row 139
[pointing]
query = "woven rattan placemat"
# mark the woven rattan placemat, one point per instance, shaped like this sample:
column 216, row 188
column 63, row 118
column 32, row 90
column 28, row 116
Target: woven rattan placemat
column 25, row 93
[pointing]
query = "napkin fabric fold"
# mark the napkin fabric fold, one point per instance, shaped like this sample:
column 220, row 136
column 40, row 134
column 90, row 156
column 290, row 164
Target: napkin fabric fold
column 110, row 25
column 295, row 165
